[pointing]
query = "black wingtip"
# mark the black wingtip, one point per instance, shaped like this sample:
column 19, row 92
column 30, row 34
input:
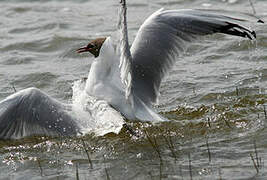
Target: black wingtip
column 254, row 34
column 260, row 21
column 249, row 34
column 237, row 30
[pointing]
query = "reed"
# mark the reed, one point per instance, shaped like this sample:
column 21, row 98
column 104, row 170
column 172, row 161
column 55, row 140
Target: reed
column 256, row 154
column 13, row 86
column 106, row 170
column 227, row 123
column 209, row 124
column 170, row 145
column 90, row 163
column 254, row 163
column 190, row 166
column 107, row 175
column 208, row 148
column 130, row 130
column 264, row 110
column 40, row 167
column 154, row 144
column 237, row 91
column 77, row 171
column 181, row 172
column 257, row 162
column 252, row 6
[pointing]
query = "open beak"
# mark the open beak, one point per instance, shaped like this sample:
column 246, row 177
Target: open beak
column 83, row 49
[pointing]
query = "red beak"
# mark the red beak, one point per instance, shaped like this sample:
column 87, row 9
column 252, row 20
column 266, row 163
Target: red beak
column 83, row 49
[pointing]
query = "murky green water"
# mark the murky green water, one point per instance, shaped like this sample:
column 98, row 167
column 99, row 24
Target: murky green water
column 214, row 97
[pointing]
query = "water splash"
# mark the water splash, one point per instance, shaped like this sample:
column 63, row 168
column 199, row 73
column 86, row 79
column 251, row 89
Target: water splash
column 94, row 115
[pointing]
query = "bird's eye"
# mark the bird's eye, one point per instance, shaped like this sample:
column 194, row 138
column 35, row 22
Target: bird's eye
column 90, row 45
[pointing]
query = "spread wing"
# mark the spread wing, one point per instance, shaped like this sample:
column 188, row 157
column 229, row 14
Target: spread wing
column 164, row 35
column 32, row 112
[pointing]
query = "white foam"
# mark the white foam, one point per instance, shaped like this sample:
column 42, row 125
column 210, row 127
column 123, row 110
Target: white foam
column 94, row 115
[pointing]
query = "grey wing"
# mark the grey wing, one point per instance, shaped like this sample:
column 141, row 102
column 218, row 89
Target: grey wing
column 32, row 112
column 163, row 36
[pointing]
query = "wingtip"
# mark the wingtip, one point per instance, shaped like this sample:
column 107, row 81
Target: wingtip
column 260, row 21
column 254, row 34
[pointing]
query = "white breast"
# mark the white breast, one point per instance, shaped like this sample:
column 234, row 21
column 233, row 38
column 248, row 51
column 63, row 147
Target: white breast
column 104, row 80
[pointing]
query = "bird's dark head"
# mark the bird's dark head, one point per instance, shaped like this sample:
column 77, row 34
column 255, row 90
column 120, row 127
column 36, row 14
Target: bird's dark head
column 93, row 47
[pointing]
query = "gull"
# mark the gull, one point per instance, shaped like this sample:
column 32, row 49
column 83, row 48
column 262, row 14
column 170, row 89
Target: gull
column 127, row 78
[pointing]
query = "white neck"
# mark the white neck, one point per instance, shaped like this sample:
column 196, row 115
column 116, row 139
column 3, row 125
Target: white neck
column 104, row 68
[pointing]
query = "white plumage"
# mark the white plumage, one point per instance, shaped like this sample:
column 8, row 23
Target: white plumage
column 159, row 41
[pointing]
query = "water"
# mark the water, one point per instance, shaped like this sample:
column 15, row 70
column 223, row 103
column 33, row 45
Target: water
column 214, row 96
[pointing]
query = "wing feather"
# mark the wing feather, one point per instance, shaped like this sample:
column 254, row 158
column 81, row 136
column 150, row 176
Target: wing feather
column 32, row 112
column 163, row 36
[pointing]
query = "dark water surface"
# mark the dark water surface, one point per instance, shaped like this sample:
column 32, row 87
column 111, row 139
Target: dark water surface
column 214, row 96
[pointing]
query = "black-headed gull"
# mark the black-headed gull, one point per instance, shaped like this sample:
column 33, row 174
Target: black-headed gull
column 130, row 80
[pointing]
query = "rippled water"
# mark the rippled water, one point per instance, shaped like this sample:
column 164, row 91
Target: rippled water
column 214, row 96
